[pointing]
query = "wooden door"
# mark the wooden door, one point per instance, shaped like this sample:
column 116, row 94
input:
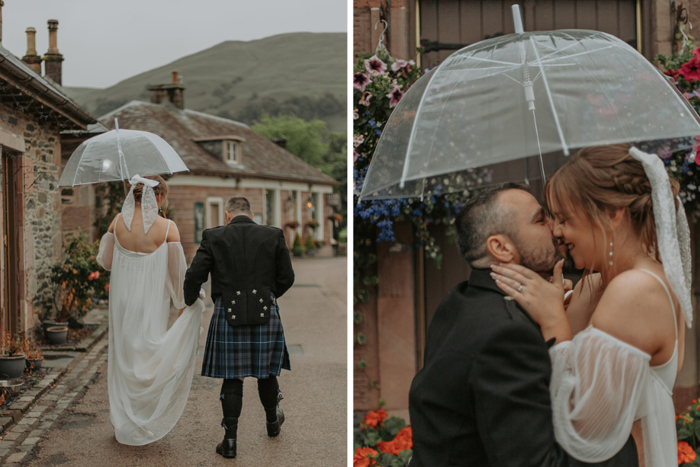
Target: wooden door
column 449, row 25
column 10, row 241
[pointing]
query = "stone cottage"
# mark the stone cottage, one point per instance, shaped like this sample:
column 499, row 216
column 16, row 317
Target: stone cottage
column 226, row 158
column 34, row 111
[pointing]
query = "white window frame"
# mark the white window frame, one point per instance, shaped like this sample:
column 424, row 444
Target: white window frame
column 274, row 216
column 227, row 146
column 208, row 211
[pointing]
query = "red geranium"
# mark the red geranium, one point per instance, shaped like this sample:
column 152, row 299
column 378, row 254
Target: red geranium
column 374, row 418
column 685, row 453
column 402, row 441
column 364, row 457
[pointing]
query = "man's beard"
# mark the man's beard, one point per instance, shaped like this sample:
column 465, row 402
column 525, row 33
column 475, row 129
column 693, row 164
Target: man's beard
column 539, row 258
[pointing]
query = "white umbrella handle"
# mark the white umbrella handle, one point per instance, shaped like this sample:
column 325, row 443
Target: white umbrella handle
column 517, row 19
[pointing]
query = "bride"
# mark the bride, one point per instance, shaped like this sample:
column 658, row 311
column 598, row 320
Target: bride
column 150, row 367
column 614, row 210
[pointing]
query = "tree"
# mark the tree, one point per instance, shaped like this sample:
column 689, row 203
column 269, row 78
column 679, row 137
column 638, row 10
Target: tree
column 304, row 139
column 314, row 144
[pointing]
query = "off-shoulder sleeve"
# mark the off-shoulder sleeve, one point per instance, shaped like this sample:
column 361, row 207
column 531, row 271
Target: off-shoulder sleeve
column 104, row 257
column 598, row 383
column 177, row 266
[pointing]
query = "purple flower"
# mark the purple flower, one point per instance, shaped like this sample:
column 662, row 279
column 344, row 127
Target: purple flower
column 375, row 66
column 355, row 155
column 360, row 81
column 398, row 64
column 394, row 97
column 364, row 100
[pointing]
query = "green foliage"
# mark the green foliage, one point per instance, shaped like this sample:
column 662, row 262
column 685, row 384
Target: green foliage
column 304, row 139
column 388, row 440
column 310, row 243
column 688, row 432
column 297, row 247
column 304, row 107
column 77, row 279
column 297, row 241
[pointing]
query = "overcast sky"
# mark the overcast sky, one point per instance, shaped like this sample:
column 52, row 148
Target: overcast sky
column 106, row 41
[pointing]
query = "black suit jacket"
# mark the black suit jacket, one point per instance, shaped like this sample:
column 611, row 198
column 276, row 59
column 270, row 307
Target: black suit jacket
column 482, row 398
column 248, row 263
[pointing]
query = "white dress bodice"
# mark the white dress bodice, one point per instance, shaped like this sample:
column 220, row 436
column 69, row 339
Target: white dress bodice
column 600, row 386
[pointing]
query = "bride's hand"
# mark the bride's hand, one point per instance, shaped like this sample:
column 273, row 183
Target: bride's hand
column 543, row 301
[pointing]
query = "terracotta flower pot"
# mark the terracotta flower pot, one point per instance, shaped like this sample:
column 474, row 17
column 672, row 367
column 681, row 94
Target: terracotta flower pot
column 57, row 335
column 11, row 367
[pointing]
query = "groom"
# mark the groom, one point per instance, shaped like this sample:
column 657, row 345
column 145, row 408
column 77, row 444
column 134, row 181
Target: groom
column 250, row 268
column 482, row 397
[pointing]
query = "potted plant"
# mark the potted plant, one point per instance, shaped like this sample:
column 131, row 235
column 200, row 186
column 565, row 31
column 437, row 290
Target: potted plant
column 310, row 246
column 34, row 357
column 313, row 224
column 297, row 247
column 76, row 281
column 12, row 361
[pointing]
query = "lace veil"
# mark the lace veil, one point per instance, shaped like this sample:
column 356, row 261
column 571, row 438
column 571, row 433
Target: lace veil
column 672, row 232
column 149, row 205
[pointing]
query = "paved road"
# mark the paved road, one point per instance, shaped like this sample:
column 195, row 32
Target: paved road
column 314, row 318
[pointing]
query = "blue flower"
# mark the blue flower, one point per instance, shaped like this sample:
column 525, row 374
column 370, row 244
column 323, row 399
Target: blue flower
column 372, row 124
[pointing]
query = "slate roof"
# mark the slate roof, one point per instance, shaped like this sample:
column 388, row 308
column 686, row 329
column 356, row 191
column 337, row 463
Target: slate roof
column 260, row 157
column 42, row 91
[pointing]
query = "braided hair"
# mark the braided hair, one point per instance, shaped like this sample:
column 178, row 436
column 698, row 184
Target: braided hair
column 160, row 189
column 599, row 180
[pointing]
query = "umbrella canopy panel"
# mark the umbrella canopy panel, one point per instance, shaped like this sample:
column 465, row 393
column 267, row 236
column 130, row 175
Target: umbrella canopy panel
column 98, row 159
column 521, row 95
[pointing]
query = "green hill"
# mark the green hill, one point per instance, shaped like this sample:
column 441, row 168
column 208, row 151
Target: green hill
column 303, row 74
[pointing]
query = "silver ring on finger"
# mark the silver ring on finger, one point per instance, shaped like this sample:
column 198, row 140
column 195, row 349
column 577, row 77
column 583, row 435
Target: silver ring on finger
column 520, row 289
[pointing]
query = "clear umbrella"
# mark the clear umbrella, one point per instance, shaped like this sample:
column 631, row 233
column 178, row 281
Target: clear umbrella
column 521, row 95
column 119, row 155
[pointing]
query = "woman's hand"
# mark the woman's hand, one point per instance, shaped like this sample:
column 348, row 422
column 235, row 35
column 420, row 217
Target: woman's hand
column 543, row 301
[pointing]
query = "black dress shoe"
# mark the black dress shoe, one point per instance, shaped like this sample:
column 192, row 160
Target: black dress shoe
column 274, row 428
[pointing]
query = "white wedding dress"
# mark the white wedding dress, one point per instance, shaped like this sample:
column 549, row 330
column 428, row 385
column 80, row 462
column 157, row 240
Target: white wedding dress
column 601, row 385
column 150, row 367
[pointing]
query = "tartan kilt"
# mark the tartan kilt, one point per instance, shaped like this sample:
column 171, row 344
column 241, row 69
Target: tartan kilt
column 241, row 351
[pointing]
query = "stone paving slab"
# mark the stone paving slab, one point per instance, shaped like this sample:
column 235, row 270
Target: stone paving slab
column 38, row 408
column 27, row 433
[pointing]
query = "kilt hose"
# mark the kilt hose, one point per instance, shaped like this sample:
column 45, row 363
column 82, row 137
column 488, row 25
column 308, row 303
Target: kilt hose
column 242, row 351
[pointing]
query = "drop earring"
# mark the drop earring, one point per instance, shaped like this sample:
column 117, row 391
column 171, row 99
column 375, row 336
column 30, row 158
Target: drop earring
column 610, row 263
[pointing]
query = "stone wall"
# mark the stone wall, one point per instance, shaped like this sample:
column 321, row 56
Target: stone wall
column 39, row 214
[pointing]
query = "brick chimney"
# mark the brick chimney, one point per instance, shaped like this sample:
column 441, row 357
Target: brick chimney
column 53, row 67
column 173, row 92
column 32, row 59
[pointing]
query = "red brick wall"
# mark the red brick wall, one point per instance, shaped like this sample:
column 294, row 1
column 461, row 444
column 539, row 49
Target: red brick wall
column 182, row 199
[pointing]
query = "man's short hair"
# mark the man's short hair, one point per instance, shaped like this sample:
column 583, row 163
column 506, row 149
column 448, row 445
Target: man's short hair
column 481, row 217
column 238, row 203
